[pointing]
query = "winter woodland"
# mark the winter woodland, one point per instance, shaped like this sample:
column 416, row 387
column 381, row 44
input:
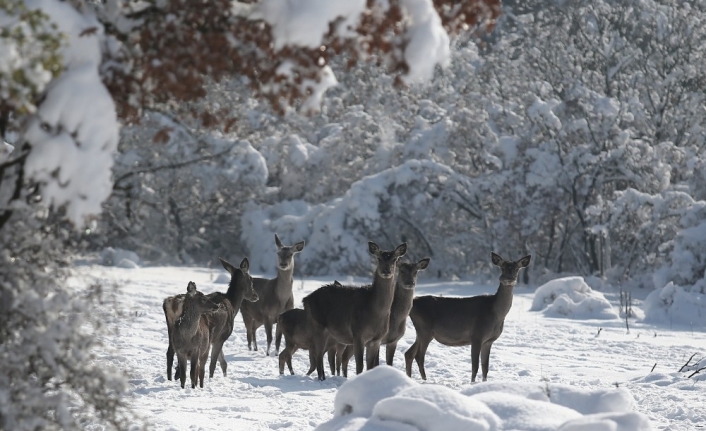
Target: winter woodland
column 572, row 131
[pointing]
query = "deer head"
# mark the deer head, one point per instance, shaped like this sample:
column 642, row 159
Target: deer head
column 387, row 260
column 510, row 269
column 241, row 277
column 407, row 277
column 285, row 255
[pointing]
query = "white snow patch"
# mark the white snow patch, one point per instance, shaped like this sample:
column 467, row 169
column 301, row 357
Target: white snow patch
column 571, row 297
column 118, row 257
column 674, row 304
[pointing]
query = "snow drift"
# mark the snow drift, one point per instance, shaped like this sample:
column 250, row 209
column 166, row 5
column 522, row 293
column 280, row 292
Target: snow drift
column 673, row 304
column 384, row 399
column 572, row 298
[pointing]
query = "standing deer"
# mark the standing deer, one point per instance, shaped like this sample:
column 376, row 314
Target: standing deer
column 275, row 296
column 401, row 305
column 477, row 320
column 298, row 334
column 355, row 315
column 220, row 321
column 190, row 335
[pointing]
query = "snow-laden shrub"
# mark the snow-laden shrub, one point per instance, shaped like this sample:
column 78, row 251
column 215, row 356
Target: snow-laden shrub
column 118, row 257
column 385, row 399
column 674, row 304
column 400, row 202
column 571, row 297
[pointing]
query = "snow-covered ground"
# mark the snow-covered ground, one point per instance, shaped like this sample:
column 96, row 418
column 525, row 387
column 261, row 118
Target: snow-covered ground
column 583, row 356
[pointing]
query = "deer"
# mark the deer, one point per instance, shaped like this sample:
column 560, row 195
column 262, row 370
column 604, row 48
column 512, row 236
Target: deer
column 401, row 305
column 358, row 316
column 190, row 335
column 275, row 296
column 298, row 334
column 476, row 320
column 221, row 320
column 240, row 292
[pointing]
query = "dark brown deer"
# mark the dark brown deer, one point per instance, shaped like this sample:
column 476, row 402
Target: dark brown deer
column 298, row 334
column 220, row 321
column 401, row 305
column 355, row 315
column 275, row 296
column 190, row 335
column 477, row 320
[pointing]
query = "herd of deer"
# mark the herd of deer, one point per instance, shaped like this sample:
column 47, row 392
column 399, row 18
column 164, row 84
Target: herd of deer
column 337, row 320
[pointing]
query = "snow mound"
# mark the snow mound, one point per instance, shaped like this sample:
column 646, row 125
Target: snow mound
column 674, row 304
column 571, row 297
column 118, row 257
column 584, row 401
column 384, row 399
column 359, row 395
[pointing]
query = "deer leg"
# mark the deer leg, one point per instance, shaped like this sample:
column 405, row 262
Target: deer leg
column 475, row 356
column 332, row 360
column 268, row 333
column 253, row 332
column 222, row 361
column 202, row 366
column 194, row 369
column 421, row 354
column 278, row 338
column 346, row 353
column 390, row 352
column 372, row 354
column 182, row 369
column 485, row 358
column 312, row 362
column 215, row 356
column 358, row 352
column 170, row 361
column 409, row 356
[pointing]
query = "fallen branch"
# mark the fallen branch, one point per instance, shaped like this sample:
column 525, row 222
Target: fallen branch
column 687, row 363
column 696, row 372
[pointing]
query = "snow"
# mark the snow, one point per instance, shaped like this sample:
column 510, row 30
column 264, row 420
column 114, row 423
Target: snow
column 572, row 298
column 118, row 257
column 673, row 304
column 555, row 374
column 428, row 42
column 75, row 129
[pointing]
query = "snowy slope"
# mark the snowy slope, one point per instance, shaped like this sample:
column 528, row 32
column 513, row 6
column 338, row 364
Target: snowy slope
column 533, row 349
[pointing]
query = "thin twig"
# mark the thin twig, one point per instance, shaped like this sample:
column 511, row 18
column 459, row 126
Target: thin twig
column 687, row 363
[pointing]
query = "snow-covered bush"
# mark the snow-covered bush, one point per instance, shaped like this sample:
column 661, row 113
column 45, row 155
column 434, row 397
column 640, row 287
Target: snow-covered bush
column 674, row 304
column 385, row 399
column 400, row 203
column 572, row 298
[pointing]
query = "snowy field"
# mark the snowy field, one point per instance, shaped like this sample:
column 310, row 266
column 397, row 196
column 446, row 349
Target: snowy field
column 539, row 351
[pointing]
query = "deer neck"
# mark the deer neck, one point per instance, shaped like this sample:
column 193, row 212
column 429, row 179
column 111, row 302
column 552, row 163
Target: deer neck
column 503, row 299
column 188, row 323
column 283, row 282
column 402, row 299
column 235, row 294
column 383, row 291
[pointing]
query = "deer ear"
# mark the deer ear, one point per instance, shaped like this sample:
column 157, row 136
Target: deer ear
column 278, row 242
column 245, row 265
column 227, row 265
column 337, row 284
column 524, row 262
column 373, row 248
column 423, row 264
column 401, row 250
column 496, row 259
column 298, row 247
